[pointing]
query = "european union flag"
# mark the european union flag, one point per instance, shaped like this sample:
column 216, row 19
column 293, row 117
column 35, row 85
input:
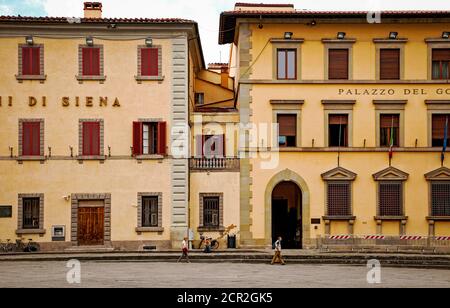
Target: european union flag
column 444, row 149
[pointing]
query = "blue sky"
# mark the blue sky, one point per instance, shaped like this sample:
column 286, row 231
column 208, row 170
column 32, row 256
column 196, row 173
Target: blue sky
column 23, row 7
column 205, row 12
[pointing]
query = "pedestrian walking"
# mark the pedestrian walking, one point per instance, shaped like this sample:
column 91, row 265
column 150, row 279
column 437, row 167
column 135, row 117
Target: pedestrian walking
column 277, row 258
column 185, row 250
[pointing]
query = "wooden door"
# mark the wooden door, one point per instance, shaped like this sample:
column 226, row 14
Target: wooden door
column 91, row 223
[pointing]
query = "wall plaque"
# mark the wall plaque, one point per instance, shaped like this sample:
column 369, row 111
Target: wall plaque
column 5, row 211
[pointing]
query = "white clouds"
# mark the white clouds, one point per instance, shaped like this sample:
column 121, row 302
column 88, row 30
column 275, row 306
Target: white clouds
column 22, row 7
column 6, row 10
column 206, row 12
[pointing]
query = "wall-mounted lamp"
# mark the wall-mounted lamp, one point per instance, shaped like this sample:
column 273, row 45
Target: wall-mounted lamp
column 89, row 41
column 393, row 35
column 29, row 40
column 313, row 23
column 149, row 42
column 67, row 198
column 260, row 25
column 341, row 35
column 288, row 35
column 445, row 35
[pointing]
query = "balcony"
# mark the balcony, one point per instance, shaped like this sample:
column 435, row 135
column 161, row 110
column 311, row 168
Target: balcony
column 214, row 164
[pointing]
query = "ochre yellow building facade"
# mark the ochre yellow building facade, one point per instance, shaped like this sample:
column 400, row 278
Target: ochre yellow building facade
column 312, row 164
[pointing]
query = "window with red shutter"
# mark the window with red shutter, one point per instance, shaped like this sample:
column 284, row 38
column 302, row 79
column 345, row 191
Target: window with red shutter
column 438, row 129
column 389, row 127
column 389, row 64
column 338, row 63
column 91, row 138
column 91, row 61
column 31, row 61
column 149, row 138
column 31, row 138
column 137, row 138
column 287, row 136
column 162, row 138
column 149, row 62
column 338, row 130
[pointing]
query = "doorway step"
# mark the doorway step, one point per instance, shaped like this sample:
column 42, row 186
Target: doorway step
column 89, row 249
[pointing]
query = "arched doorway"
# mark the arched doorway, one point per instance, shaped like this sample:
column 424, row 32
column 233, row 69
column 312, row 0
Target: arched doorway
column 289, row 176
column 287, row 214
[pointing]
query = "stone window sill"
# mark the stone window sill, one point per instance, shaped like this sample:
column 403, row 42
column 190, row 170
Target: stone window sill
column 286, row 41
column 30, row 231
column 149, row 157
column 140, row 79
column 211, row 229
column 438, row 218
column 392, row 218
column 99, row 157
column 41, row 78
column 339, row 218
column 91, row 78
column 147, row 229
column 31, row 158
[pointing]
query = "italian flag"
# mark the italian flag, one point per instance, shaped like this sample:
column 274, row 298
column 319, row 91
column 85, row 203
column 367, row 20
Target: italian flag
column 391, row 145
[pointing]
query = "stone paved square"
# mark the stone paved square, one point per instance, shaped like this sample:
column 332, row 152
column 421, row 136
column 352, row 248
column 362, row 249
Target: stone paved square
column 220, row 275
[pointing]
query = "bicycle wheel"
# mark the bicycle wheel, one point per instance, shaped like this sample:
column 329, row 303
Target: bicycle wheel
column 215, row 245
column 34, row 247
column 10, row 247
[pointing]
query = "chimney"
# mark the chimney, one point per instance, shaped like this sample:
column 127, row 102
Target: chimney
column 92, row 10
column 224, row 77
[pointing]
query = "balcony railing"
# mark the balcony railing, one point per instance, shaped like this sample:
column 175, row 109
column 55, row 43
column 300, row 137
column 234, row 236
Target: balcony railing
column 215, row 164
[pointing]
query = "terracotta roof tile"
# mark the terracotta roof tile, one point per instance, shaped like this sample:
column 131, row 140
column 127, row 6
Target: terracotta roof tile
column 92, row 20
column 243, row 4
column 307, row 12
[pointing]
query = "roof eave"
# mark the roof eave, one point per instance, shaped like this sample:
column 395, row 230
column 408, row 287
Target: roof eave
column 226, row 35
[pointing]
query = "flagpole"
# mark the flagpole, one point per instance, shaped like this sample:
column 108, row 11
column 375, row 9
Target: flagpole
column 391, row 143
column 339, row 147
column 444, row 148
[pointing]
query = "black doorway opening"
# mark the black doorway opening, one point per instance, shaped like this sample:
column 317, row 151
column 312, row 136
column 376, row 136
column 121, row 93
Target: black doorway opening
column 287, row 215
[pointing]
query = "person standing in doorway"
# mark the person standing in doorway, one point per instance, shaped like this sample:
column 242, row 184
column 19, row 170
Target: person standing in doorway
column 277, row 258
column 185, row 251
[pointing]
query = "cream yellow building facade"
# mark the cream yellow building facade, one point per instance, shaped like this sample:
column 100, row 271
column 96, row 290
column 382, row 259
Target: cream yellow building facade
column 97, row 84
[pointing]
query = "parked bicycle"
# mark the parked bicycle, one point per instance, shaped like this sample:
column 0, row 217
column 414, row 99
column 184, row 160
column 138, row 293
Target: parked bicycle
column 28, row 247
column 6, row 247
column 19, row 246
column 214, row 243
